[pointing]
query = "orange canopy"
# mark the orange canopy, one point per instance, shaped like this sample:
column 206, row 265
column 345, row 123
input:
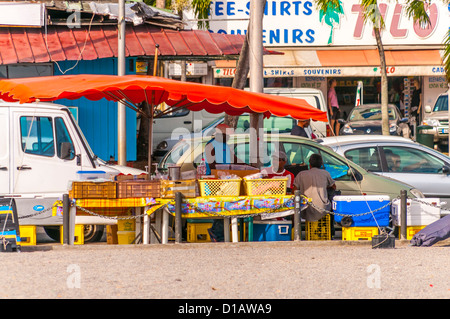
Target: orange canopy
column 135, row 89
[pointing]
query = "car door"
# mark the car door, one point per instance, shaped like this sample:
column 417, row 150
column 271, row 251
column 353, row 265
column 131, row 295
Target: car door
column 5, row 169
column 417, row 167
column 38, row 165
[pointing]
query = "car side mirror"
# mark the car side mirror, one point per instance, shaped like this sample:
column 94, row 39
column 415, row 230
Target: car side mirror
column 446, row 169
column 427, row 109
column 66, row 151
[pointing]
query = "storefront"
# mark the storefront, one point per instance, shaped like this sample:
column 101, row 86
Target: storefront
column 316, row 49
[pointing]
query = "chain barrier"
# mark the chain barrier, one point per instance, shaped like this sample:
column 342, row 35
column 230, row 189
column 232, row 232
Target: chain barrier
column 288, row 204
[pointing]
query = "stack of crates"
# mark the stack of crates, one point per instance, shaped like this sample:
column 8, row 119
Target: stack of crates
column 364, row 225
column 9, row 226
column 319, row 230
column 418, row 215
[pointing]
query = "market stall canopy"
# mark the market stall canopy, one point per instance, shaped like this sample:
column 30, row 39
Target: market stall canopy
column 135, row 89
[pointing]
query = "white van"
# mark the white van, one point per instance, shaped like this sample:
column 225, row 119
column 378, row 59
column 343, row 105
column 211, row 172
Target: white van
column 312, row 96
column 168, row 130
column 42, row 149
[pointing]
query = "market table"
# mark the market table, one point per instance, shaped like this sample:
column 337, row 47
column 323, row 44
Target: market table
column 228, row 208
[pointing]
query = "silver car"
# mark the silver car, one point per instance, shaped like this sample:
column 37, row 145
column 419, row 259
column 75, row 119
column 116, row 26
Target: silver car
column 437, row 118
column 402, row 159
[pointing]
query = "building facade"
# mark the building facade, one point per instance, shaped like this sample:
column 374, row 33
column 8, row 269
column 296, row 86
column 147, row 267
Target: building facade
column 318, row 46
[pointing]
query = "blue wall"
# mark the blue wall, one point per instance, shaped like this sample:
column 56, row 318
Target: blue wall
column 98, row 119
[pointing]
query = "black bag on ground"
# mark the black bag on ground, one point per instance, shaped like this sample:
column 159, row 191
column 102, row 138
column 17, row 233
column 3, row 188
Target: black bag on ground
column 431, row 234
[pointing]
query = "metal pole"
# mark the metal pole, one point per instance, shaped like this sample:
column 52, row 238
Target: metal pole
column 297, row 220
column 178, row 201
column 121, row 108
column 403, row 213
column 256, row 75
column 66, row 219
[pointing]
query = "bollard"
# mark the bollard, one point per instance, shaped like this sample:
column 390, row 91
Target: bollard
column 178, row 202
column 403, row 213
column 297, row 220
column 66, row 219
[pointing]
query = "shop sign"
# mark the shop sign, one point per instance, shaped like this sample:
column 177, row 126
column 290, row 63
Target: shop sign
column 303, row 25
column 22, row 14
column 192, row 69
column 320, row 71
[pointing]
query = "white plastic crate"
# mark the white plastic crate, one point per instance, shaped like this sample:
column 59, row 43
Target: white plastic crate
column 417, row 214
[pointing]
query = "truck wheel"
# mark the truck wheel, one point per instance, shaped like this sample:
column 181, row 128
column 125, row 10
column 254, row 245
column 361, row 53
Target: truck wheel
column 92, row 233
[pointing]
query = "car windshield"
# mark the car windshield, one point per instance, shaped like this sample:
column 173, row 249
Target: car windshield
column 370, row 114
column 273, row 124
column 441, row 104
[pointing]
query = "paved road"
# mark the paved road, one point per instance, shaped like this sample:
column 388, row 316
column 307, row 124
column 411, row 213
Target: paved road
column 274, row 270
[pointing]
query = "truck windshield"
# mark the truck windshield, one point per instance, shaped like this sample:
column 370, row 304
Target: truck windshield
column 81, row 135
column 441, row 104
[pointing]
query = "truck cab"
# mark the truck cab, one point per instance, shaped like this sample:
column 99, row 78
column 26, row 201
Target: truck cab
column 42, row 150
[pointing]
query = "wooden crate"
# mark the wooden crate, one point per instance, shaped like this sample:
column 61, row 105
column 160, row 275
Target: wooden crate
column 138, row 188
column 94, row 190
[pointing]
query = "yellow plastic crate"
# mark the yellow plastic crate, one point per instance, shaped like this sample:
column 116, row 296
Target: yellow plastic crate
column 125, row 237
column 220, row 187
column 79, row 235
column 411, row 231
column 272, row 186
column 319, row 230
column 359, row 233
column 27, row 235
column 186, row 187
column 198, row 232
column 126, row 224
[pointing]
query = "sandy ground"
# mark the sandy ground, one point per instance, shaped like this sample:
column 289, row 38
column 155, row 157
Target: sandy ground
column 262, row 270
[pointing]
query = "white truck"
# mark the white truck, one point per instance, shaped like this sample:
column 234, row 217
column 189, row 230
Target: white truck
column 168, row 130
column 42, row 149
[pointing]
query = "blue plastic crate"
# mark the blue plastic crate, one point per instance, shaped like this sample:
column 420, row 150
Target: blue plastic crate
column 355, row 205
column 274, row 230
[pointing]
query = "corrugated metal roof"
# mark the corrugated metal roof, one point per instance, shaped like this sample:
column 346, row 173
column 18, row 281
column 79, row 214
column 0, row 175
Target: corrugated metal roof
column 59, row 43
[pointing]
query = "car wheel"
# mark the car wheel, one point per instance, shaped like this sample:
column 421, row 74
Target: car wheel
column 93, row 233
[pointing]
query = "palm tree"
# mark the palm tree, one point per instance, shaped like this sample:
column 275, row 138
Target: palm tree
column 414, row 9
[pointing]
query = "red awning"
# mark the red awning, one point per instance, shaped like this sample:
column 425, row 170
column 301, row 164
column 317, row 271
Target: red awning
column 59, row 43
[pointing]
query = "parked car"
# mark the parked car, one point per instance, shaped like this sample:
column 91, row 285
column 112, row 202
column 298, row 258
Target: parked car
column 437, row 117
column 351, row 179
column 402, row 159
column 366, row 119
column 274, row 124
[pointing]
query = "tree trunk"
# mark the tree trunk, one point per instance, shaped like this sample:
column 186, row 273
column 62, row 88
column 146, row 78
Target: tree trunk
column 240, row 77
column 384, row 85
column 161, row 4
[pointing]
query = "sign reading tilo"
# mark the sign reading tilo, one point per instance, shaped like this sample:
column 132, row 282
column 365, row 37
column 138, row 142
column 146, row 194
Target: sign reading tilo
column 303, row 25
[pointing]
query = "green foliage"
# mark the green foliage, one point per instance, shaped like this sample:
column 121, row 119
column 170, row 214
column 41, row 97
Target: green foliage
column 201, row 11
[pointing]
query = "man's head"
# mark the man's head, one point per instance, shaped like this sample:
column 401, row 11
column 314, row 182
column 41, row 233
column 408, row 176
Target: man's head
column 304, row 122
column 315, row 161
column 394, row 162
column 279, row 160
